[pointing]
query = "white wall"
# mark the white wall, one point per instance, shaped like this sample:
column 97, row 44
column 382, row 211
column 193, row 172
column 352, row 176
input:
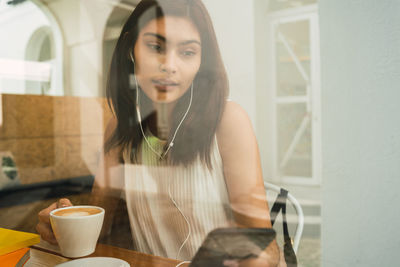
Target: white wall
column 82, row 23
column 13, row 46
column 360, row 52
column 234, row 25
column 263, row 93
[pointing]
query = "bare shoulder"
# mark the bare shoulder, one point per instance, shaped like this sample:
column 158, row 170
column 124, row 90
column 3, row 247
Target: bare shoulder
column 234, row 121
column 235, row 132
column 239, row 152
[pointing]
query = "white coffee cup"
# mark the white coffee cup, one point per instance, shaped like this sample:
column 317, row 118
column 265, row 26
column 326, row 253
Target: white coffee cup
column 77, row 229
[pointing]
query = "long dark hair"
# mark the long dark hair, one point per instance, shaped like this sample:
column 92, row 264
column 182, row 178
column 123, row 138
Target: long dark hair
column 210, row 86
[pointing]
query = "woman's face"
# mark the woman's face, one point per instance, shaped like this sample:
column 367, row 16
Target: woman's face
column 167, row 58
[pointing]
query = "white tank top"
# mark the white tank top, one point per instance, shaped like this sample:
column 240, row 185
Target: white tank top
column 157, row 226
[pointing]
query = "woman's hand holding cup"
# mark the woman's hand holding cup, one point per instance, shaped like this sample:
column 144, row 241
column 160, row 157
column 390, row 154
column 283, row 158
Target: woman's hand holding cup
column 44, row 226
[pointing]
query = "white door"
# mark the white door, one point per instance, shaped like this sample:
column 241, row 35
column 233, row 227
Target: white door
column 296, row 96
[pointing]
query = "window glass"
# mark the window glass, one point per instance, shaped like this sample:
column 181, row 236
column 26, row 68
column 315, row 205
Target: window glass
column 170, row 120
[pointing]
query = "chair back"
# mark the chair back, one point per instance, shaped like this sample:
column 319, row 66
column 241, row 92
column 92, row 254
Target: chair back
column 300, row 216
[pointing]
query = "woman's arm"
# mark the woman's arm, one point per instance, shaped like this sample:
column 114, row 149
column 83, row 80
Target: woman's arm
column 242, row 169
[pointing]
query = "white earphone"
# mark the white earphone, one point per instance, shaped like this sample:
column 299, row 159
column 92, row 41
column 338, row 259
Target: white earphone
column 161, row 156
column 165, row 153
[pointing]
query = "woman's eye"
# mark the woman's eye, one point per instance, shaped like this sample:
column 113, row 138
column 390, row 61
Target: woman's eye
column 188, row 53
column 155, row 47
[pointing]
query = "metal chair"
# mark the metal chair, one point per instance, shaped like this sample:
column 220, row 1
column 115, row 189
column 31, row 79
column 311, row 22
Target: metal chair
column 299, row 211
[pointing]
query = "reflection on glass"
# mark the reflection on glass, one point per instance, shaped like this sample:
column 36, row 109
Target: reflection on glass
column 182, row 175
column 175, row 167
column 27, row 58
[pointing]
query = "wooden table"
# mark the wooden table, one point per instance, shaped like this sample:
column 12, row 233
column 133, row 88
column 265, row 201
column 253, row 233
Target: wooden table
column 42, row 257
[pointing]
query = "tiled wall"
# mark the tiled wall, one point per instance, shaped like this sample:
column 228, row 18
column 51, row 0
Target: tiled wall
column 53, row 137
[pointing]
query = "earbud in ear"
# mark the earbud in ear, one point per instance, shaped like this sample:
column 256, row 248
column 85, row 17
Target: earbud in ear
column 131, row 56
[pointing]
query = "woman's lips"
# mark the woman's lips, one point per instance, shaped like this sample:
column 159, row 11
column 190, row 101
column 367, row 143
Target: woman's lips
column 164, row 86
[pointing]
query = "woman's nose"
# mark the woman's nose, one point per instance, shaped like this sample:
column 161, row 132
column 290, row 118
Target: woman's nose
column 168, row 63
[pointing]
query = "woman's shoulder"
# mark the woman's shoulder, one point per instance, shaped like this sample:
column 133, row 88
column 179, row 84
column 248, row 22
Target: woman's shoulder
column 234, row 117
column 235, row 125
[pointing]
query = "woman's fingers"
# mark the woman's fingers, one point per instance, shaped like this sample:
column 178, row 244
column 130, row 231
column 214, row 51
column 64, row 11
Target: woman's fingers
column 63, row 202
column 44, row 227
column 46, row 232
column 44, row 215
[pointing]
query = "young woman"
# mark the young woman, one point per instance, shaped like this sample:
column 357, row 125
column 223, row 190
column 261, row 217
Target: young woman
column 186, row 157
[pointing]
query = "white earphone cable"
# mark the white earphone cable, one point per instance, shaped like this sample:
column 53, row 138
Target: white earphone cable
column 161, row 156
column 183, row 262
column 186, row 219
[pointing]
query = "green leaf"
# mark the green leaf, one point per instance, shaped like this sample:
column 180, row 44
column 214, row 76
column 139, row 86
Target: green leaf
column 8, row 161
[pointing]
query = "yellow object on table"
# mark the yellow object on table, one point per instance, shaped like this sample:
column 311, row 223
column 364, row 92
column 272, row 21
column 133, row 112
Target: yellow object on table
column 11, row 240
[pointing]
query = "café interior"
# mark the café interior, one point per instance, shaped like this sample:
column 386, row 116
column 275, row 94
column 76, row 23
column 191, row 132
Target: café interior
column 284, row 69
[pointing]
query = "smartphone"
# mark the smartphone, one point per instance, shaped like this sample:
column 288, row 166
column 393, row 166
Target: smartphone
column 228, row 246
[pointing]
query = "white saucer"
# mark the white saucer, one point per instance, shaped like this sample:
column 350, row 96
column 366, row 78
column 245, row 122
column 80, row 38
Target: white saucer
column 95, row 262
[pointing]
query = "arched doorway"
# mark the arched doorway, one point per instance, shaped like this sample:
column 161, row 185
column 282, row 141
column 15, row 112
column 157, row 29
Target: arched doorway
column 34, row 56
column 40, row 48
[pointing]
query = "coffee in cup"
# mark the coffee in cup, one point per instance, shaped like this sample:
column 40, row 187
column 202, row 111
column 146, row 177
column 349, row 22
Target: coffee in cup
column 77, row 229
column 77, row 211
